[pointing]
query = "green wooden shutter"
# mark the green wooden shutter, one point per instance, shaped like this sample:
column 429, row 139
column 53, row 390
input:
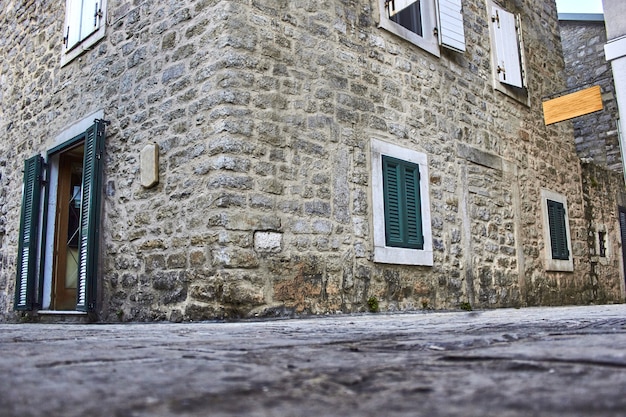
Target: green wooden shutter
column 558, row 230
column 414, row 236
column 622, row 225
column 403, row 218
column 29, row 235
column 90, row 217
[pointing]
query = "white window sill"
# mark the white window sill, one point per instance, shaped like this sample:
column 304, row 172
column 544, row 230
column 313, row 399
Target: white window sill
column 431, row 46
column 403, row 256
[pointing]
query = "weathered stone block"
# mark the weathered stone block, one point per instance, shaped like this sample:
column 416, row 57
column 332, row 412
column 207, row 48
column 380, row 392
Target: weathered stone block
column 177, row 261
column 155, row 262
column 268, row 242
column 235, row 258
column 207, row 291
column 244, row 221
column 317, row 208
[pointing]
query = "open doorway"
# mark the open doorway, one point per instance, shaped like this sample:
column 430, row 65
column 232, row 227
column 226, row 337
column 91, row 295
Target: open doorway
column 67, row 229
column 58, row 246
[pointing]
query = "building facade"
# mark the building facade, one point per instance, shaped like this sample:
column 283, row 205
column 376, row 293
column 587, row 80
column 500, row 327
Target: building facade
column 596, row 135
column 202, row 159
column 615, row 53
column 597, row 139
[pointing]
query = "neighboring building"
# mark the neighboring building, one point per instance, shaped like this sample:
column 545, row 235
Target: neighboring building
column 615, row 51
column 202, row 159
column 597, row 142
column 596, row 135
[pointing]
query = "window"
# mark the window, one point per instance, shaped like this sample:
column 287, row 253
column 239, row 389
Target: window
column 58, row 241
column 507, row 53
column 556, row 226
column 401, row 205
column 84, row 26
column 558, row 232
column 403, row 217
column 601, row 244
column 426, row 23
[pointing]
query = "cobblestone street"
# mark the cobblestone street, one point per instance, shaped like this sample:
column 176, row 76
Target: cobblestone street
column 565, row 361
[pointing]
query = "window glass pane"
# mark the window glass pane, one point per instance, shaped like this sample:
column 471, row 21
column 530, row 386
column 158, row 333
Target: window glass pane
column 410, row 18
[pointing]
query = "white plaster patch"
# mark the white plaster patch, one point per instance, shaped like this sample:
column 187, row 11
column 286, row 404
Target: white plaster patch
column 268, row 241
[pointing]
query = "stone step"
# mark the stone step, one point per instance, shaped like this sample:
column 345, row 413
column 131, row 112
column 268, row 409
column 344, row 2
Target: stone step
column 52, row 316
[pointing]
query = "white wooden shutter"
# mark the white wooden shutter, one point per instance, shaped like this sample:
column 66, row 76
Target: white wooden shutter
column 508, row 61
column 73, row 22
column 451, row 33
column 89, row 18
column 82, row 19
column 396, row 6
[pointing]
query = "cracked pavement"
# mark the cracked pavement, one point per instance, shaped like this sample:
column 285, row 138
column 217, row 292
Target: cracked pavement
column 559, row 361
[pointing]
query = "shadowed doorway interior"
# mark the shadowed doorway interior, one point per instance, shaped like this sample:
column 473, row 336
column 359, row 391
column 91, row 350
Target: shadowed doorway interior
column 67, row 232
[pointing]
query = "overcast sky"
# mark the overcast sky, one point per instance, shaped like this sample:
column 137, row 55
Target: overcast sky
column 579, row 6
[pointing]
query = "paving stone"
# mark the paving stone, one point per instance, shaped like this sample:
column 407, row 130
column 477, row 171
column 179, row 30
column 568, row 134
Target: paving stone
column 565, row 361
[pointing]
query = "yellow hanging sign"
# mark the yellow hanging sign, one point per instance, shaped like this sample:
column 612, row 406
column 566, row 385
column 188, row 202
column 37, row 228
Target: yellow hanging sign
column 572, row 105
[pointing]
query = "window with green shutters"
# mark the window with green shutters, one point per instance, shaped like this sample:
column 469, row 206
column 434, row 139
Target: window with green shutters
column 557, row 251
column 403, row 220
column 31, row 251
column 558, row 230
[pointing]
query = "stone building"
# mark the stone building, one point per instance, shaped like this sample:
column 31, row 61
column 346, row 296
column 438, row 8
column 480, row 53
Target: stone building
column 597, row 139
column 596, row 135
column 615, row 52
column 200, row 159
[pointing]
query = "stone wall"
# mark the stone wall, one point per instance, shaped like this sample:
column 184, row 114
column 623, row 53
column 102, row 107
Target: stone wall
column 606, row 276
column 263, row 111
column 585, row 65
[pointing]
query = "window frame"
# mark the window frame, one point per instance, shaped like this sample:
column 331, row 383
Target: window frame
column 34, row 273
column 428, row 42
column 392, row 254
column 86, row 42
column 555, row 263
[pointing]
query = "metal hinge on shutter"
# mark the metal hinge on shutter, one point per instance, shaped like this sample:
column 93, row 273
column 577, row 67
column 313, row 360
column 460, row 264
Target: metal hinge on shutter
column 97, row 15
column 500, row 69
column 496, row 19
column 66, row 38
